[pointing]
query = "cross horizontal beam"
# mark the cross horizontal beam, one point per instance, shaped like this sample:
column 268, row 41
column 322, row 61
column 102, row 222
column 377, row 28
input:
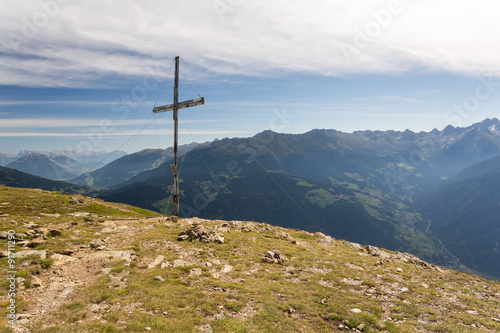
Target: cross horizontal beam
column 181, row 105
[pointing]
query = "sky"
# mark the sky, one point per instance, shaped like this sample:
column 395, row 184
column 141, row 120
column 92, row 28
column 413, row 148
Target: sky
column 86, row 75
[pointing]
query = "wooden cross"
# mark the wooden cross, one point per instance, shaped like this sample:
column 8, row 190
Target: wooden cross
column 175, row 107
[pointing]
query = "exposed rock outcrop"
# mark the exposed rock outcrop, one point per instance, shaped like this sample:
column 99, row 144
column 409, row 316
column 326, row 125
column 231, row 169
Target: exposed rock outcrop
column 202, row 234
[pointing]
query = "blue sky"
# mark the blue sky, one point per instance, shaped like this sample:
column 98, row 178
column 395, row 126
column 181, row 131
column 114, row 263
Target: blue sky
column 86, row 75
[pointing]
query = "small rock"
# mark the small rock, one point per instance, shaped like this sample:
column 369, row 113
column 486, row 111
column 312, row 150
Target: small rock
column 181, row 263
column 106, row 230
column 273, row 257
column 361, row 327
column 206, row 329
column 147, row 328
column 399, row 270
column 282, row 234
column 55, row 232
column 355, row 246
column 404, row 289
column 376, row 252
column 23, row 316
column 356, row 310
column 30, row 226
column 159, row 278
column 208, row 264
column 226, row 268
column 95, row 308
column 4, row 234
column 98, row 245
column 36, row 242
column 195, row 272
column 66, row 252
column 50, row 215
column 23, row 321
column 326, row 240
column 105, row 271
column 156, row 262
column 36, row 282
column 472, row 312
column 220, row 316
column 182, row 237
column 23, row 254
column 62, row 259
column 341, row 326
column 37, row 233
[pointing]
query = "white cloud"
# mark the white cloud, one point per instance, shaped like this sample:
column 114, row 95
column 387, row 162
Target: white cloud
column 97, row 136
column 105, row 123
column 81, row 42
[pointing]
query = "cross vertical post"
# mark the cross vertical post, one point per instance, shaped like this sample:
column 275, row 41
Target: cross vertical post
column 176, row 137
column 175, row 108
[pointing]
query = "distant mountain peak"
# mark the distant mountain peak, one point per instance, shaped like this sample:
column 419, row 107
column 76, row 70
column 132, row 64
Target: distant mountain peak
column 450, row 130
column 489, row 122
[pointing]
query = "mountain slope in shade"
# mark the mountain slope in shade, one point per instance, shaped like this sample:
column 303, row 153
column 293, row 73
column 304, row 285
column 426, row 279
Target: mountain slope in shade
column 14, row 178
column 401, row 163
column 279, row 198
column 43, row 166
column 361, row 184
column 126, row 167
column 463, row 212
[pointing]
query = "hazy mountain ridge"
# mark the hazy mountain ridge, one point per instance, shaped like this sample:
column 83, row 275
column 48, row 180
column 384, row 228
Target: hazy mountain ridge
column 14, row 178
column 7, row 158
column 41, row 165
column 128, row 166
column 463, row 212
column 58, row 164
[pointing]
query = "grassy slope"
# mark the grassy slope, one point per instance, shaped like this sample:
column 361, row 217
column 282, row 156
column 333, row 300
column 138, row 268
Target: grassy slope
column 313, row 291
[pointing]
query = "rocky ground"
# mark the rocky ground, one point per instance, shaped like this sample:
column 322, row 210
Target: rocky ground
column 80, row 272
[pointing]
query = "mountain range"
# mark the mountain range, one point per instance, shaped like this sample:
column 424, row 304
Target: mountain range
column 128, row 166
column 406, row 191
column 58, row 165
column 360, row 186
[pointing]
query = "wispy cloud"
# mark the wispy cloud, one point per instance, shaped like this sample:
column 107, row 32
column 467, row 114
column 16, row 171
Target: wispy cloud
column 260, row 38
column 84, row 135
column 62, row 102
column 396, row 98
column 83, row 123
